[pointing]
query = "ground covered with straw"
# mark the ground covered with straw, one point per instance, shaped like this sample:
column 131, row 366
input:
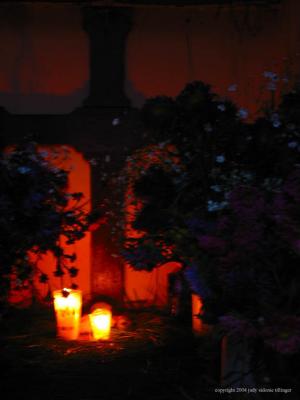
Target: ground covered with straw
column 155, row 358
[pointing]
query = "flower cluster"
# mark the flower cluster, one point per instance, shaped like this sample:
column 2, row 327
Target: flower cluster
column 226, row 207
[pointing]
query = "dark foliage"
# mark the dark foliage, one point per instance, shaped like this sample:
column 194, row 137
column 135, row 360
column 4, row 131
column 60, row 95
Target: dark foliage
column 225, row 204
column 36, row 214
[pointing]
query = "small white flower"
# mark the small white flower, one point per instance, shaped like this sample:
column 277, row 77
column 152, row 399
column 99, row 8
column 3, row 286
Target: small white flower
column 221, row 107
column 207, row 127
column 93, row 161
column 161, row 145
column 115, row 121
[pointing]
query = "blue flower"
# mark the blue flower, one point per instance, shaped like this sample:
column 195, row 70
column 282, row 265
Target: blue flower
column 24, row 170
column 247, row 176
column 292, row 145
column 216, row 206
column 37, row 197
column 44, row 153
column 275, row 120
column 270, row 75
column 220, row 159
column 216, row 188
column 242, row 113
column 192, row 275
column 232, row 88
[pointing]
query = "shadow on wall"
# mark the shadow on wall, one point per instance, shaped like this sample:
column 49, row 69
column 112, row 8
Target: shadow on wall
column 136, row 97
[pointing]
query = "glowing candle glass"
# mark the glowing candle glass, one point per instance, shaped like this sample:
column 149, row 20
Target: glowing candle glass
column 100, row 320
column 67, row 306
column 199, row 328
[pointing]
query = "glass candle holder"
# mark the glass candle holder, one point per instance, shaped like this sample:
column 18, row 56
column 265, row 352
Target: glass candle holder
column 100, row 320
column 67, row 306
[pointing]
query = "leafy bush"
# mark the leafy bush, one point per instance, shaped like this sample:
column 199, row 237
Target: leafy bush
column 224, row 202
column 37, row 213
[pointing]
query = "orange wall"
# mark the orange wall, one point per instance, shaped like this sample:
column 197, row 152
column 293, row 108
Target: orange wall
column 143, row 288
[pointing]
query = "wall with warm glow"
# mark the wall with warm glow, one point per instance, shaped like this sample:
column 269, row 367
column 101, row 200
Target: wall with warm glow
column 45, row 52
column 144, row 288
column 220, row 45
column 44, row 58
column 79, row 181
column 45, row 69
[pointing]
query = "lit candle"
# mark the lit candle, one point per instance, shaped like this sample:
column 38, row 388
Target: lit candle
column 67, row 306
column 199, row 328
column 100, row 320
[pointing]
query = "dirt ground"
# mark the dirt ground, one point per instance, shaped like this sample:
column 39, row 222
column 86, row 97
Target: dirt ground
column 156, row 358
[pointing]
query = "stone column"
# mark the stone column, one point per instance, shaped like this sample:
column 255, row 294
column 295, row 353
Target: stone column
column 107, row 29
